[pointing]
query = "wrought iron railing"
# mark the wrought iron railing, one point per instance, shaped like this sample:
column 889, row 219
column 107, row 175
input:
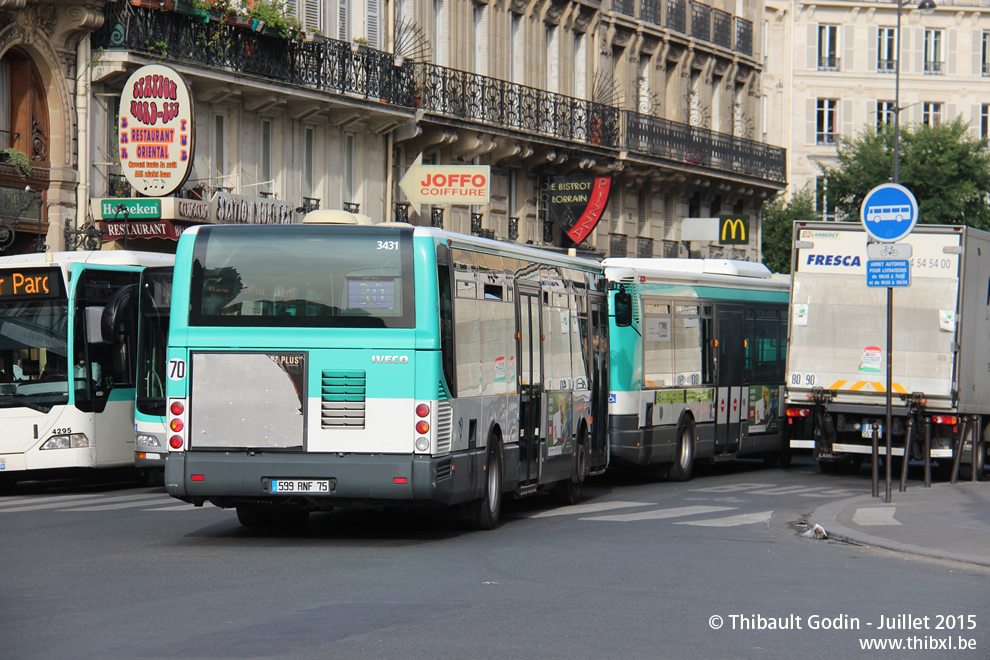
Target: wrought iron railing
column 701, row 21
column 501, row 103
column 118, row 186
column 744, row 36
column 677, row 15
column 352, row 207
column 649, row 11
column 339, row 67
column 312, row 204
column 401, row 212
column 722, row 28
column 644, row 247
column 700, row 146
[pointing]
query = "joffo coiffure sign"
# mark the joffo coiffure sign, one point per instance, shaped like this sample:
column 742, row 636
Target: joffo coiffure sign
column 577, row 203
column 155, row 131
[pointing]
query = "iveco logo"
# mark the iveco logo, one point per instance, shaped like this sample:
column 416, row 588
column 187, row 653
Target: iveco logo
column 389, row 359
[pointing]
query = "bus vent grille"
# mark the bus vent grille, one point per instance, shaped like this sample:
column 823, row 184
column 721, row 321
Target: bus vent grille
column 442, row 392
column 445, row 413
column 342, row 399
column 443, row 470
column 630, row 288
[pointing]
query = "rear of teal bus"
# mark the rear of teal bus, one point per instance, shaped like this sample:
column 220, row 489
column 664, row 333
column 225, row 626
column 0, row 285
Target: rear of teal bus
column 304, row 370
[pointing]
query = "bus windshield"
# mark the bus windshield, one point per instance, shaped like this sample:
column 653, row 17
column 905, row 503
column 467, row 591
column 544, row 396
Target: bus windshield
column 33, row 349
column 303, row 276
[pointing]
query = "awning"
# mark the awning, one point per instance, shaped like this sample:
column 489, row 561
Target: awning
column 113, row 231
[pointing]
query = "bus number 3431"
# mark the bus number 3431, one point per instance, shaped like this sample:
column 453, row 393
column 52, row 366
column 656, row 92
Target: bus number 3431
column 803, row 379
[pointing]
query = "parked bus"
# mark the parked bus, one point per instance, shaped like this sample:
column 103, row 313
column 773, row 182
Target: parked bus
column 318, row 365
column 151, row 437
column 66, row 383
column 697, row 366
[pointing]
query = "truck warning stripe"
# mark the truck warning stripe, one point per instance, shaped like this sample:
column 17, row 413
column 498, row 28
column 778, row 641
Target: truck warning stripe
column 859, row 385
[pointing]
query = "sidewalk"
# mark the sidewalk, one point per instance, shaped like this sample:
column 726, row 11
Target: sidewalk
column 947, row 521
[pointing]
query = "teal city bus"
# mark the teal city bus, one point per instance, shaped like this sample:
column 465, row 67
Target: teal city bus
column 697, row 362
column 67, row 360
column 314, row 366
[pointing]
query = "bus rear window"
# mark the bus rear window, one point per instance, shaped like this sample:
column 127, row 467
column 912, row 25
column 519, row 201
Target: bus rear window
column 303, row 276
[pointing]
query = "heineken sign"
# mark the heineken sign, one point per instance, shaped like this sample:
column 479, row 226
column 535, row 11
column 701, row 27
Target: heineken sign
column 131, row 209
column 577, row 203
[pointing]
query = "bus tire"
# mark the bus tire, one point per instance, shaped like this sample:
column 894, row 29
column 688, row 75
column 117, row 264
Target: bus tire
column 7, row 483
column 485, row 511
column 568, row 491
column 683, row 464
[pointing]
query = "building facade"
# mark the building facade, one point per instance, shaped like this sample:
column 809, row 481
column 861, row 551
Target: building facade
column 663, row 96
column 831, row 71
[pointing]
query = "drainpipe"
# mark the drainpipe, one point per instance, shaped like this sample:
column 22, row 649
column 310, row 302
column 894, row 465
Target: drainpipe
column 83, row 76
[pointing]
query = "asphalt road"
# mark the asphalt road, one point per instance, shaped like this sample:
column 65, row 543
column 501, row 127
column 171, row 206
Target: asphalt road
column 712, row 568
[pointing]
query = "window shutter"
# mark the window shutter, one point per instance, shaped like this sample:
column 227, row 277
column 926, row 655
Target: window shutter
column 343, row 21
column 811, row 124
column 871, row 113
column 442, row 37
column 812, row 45
column 373, row 33
column 481, row 40
column 553, row 58
column 919, row 51
column 519, row 50
column 846, row 119
column 950, row 36
column 872, row 42
column 978, row 52
column 580, row 67
column 849, row 49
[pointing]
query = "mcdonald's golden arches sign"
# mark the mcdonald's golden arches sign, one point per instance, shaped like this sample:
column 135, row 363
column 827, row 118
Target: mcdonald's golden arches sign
column 733, row 229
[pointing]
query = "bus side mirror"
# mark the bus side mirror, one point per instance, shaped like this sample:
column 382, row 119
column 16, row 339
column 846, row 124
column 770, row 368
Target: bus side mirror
column 116, row 307
column 623, row 309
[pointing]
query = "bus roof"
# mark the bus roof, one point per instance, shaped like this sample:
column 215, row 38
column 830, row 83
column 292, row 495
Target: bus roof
column 96, row 257
column 744, row 274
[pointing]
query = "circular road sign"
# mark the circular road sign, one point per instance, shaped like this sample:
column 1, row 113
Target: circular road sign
column 889, row 212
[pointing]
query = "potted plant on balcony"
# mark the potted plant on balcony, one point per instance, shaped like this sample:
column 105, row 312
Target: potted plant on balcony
column 273, row 15
column 16, row 159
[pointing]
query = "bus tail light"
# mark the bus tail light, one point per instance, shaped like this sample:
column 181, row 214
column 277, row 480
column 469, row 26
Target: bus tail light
column 177, row 424
column 423, row 427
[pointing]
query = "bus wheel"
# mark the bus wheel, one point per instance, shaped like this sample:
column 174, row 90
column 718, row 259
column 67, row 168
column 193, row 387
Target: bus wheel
column 154, row 477
column 7, row 483
column 486, row 510
column 684, row 462
column 568, row 491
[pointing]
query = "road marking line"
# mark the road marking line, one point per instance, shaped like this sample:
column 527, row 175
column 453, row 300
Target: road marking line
column 732, row 488
column 140, row 500
column 591, row 507
column 659, row 514
column 784, row 490
column 875, row 516
column 174, row 507
column 836, row 492
column 78, row 500
column 731, row 521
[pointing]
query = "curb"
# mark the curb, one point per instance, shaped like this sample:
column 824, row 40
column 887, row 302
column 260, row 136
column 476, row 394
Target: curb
column 827, row 515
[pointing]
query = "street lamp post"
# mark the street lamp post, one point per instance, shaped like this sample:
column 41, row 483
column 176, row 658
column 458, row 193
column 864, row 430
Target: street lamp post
column 926, row 6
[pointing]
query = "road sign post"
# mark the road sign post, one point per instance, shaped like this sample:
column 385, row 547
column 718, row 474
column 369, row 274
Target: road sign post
column 888, row 213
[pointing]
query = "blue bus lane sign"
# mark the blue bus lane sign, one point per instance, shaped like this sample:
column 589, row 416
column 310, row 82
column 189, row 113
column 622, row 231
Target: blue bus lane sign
column 888, row 273
column 889, row 212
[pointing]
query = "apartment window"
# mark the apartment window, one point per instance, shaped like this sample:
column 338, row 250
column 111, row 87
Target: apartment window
column 824, row 204
column 931, row 114
column 309, row 161
column 986, row 53
column 828, row 47
column 887, row 50
column 347, row 180
column 933, row 51
column 985, row 121
column 219, row 174
column 885, row 114
column 827, row 131
column 265, row 157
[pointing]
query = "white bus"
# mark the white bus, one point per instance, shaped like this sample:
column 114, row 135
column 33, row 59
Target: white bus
column 66, row 383
column 888, row 213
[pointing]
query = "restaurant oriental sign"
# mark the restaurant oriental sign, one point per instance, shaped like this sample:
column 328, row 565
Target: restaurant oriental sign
column 155, row 134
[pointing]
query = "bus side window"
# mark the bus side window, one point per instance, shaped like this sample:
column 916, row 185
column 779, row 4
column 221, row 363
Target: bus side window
column 446, row 324
column 623, row 309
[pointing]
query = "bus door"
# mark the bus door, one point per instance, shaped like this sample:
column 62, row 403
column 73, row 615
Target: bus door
column 728, row 380
column 530, row 359
column 599, row 383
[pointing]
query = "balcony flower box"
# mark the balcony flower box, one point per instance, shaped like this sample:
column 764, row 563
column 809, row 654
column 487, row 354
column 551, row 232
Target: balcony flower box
column 166, row 5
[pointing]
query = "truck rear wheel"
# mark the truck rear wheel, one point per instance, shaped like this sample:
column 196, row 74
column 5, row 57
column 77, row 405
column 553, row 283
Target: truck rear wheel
column 966, row 469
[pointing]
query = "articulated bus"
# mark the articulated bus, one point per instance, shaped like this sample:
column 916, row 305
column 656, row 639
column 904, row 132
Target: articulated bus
column 314, row 366
column 66, row 375
column 154, row 300
column 697, row 363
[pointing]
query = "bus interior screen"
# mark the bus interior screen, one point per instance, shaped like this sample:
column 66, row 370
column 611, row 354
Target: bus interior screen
column 371, row 293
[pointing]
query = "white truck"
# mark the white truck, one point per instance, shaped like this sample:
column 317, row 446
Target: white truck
column 836, row 393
